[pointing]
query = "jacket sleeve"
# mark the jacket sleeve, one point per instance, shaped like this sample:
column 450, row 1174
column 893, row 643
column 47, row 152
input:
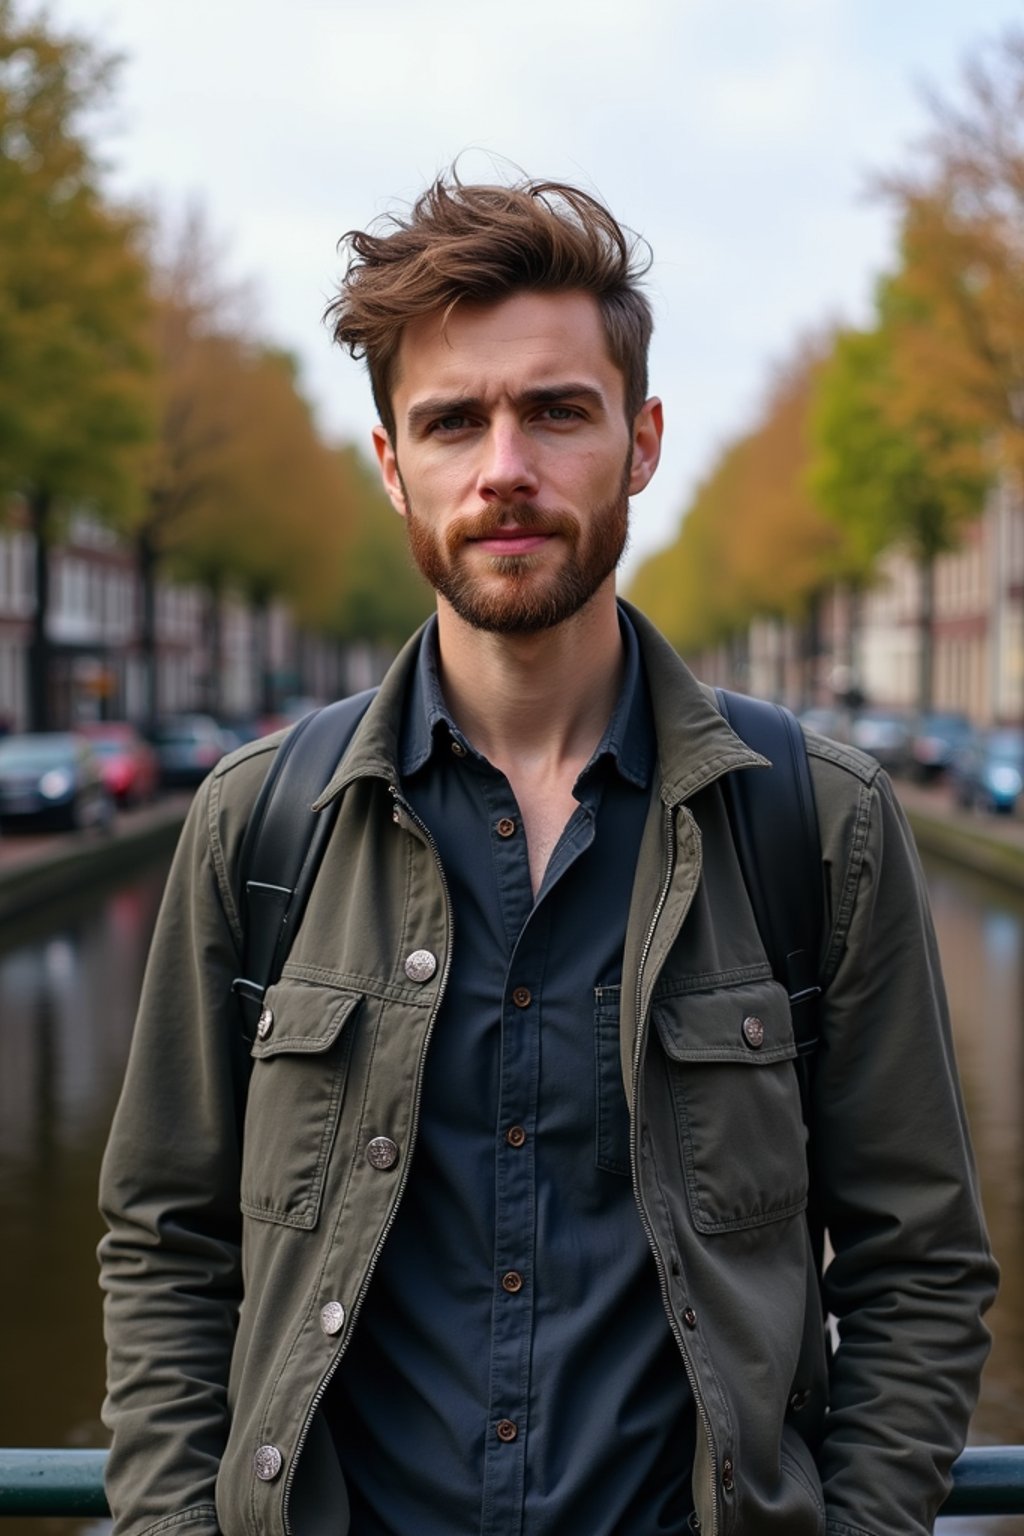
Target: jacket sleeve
column 170, row 1262
column 912, row 1274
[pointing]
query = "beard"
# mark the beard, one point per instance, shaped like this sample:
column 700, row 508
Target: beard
column 519, row 594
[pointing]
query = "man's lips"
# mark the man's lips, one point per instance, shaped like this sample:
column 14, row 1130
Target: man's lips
column 512, row 541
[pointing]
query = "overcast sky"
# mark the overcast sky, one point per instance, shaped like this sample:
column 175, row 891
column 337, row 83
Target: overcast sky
column 738, row 136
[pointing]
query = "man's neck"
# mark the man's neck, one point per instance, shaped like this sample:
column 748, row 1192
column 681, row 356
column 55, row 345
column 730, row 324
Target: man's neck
column 530, row 700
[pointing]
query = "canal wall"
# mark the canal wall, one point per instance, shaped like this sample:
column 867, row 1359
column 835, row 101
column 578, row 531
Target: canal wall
column 35, row 870
column 976, row 840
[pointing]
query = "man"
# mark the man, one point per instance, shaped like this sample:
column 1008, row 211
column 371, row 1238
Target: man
column 501, row 1226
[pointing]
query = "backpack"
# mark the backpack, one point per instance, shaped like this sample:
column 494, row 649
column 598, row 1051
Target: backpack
column 772, row 815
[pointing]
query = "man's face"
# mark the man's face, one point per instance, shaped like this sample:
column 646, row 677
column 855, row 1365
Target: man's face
column 513, row 461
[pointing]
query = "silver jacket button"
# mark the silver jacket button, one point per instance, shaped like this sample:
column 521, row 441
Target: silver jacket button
column 266, row 1023
column 381, row 1152
column 420, row 965
column 267, row 1463
column 753, row 1032
column 332, row 1317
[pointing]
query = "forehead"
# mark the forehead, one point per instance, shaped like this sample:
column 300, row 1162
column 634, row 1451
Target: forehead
column 527, row 340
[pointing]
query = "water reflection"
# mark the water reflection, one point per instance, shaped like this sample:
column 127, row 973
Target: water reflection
column 980, row 934
column 68, row 987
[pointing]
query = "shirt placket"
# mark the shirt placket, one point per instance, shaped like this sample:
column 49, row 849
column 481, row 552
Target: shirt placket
column 505, row 1461
column 515, row 1187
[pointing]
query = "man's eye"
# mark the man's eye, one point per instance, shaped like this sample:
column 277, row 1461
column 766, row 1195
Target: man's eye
column 561, row 413
column 449, row 424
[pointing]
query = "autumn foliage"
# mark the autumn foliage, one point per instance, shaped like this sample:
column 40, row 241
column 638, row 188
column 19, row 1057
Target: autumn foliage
column 886, row 436
column 134, row 384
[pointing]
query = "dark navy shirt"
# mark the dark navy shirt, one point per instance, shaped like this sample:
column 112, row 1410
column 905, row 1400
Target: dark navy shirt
column 512, row 1370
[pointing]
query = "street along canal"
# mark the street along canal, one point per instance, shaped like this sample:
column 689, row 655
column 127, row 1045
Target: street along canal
column 69, row 978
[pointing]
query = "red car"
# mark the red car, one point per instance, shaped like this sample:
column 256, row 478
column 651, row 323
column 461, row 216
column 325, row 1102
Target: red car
column 130, row 768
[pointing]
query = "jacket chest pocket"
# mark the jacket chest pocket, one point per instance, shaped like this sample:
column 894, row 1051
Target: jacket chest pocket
column 296, row 1090
column 730, row 1058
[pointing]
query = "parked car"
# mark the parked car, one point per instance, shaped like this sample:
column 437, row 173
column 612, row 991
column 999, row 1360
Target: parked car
column 825, row 721
column 989, row 771
column 187, row 747
column 53, row 778
column 131, row 771
column 935, row 739
column 885, row 734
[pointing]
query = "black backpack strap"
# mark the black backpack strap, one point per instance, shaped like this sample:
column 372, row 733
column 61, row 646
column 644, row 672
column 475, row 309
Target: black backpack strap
column 775, row 829
column 284, row 843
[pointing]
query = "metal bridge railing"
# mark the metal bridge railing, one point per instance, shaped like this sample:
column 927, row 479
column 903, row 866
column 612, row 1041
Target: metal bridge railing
column 987, row 1480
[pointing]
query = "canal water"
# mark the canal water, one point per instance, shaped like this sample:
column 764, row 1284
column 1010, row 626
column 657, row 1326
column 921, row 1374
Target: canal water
column 68, row 985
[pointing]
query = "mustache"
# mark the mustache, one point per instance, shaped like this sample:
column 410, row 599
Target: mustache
column 524, row 518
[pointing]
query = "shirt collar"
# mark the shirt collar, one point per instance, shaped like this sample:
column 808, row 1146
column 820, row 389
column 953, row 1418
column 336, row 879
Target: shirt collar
column 628, row 740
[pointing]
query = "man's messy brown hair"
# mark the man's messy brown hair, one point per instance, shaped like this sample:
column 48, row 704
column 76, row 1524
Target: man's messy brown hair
column 483, row 243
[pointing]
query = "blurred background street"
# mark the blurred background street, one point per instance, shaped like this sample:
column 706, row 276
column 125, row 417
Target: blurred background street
column 195, row 550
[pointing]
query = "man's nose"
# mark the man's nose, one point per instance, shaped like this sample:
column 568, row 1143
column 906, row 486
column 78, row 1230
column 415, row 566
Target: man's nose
column 508, row 469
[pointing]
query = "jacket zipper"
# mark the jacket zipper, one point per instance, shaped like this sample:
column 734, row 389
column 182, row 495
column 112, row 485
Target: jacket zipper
column 318, row 1396
column 641, row 1026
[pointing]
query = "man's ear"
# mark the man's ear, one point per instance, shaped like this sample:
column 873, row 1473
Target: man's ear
column 648, row 426
column 388, row 462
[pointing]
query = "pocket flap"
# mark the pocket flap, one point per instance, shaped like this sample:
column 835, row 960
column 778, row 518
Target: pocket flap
column 303, row 1017
column 749, row 1023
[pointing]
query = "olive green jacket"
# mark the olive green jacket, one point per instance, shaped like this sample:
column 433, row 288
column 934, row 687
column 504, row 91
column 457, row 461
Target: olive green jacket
column 248, row 1194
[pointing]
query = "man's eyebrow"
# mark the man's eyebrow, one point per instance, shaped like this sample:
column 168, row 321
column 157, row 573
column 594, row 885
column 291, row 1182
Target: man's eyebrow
column 426, row 411
column 553, row 394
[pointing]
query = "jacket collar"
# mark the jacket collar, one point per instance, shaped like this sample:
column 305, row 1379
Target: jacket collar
column 695, row 744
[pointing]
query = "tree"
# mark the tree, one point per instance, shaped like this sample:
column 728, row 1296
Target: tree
column 380, row 596
column 269, row 516
column 895, row 464
column 754, row 541
column 75, row 401
column 961, row 209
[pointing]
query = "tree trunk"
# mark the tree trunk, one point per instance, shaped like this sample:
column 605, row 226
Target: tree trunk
column 40, row 505
column 146, row 566
column 779, row 659
column 214, row 649
column 926, row 652
column 263, row 691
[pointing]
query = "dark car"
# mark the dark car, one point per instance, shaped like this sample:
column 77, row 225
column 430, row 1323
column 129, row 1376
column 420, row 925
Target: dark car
column 131, row 771
column 935, row 739
column 885, row 734
column 989, row 771
column 53, row 779
column 826, row 721
column 187, row 747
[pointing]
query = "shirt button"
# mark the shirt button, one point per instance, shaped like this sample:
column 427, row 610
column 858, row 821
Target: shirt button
column 381, row 1153
column 266, row 1023
column 753, row 1032
column 521, row 997
column 506, row 1430
column 515, row 1136
column 505, row 827
column 799, row 1400
column 458, row 749
column 267, row 1463
column 512, row 1282
column 332, row 1318
column 420, row 965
